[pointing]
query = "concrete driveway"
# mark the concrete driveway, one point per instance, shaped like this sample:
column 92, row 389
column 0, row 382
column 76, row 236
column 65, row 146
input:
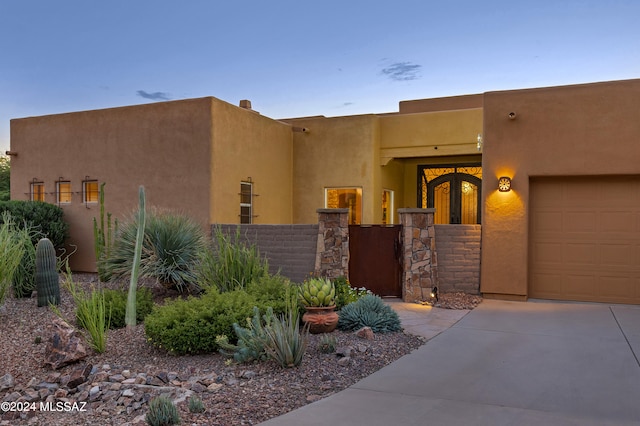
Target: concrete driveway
column 504, row 363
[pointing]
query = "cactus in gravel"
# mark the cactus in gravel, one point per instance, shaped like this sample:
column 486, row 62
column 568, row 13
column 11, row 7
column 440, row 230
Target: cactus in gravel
column 130, row 313
column 47, row 284
column 317, row 292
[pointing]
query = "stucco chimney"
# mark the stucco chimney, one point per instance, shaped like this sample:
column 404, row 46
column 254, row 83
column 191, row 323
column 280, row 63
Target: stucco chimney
column 245, row 103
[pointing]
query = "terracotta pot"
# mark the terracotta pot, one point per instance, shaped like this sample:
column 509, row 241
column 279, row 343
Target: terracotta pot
column 321, row 319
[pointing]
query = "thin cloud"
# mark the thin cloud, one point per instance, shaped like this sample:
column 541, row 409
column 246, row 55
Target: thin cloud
column 402, row 71
column 155, row 96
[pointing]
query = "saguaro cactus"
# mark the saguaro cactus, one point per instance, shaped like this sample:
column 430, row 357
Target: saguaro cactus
column 47, row 284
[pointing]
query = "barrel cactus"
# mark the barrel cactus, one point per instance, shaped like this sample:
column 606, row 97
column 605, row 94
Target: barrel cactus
column 317, row 292
column 47, row 284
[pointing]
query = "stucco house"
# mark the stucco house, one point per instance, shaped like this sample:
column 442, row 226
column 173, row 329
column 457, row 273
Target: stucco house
column 568, row 228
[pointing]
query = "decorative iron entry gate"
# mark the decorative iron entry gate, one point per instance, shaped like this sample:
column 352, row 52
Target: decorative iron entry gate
column 375, row 253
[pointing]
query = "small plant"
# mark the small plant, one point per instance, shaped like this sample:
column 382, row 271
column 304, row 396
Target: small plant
column 327, row 343
column 231, row 264
column 286, row 344
column 116, row 301
column 162, row 412
column 47, row 279
column 103, row 239
column 37, row 340
column 346, row 294
column 24, row 279
column 369, row 311
column 251, row 340
column 91, row 313
column 195, row 405
column 317, row 292
column 10, row 254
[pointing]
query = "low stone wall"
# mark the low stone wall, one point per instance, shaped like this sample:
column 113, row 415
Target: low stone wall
column 458, row 258
column 288, row 248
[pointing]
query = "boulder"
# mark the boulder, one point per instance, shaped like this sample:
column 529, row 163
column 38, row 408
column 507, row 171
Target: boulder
column 65, row 346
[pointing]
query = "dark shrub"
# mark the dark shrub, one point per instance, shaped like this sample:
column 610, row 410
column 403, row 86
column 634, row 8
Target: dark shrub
column 42, row 217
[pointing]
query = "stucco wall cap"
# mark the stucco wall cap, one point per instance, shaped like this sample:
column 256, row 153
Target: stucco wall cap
column 415, row 210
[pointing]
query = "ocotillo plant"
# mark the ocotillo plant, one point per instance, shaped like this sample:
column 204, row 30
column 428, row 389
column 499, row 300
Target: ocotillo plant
column 47, row 284
column 130, row 314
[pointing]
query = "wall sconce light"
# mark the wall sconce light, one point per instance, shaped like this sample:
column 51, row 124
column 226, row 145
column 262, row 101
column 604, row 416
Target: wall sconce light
column 434, row 293
column 504, row 184
column 479, row 144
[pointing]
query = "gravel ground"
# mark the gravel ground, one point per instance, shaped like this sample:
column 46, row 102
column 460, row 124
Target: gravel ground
column 250, row 393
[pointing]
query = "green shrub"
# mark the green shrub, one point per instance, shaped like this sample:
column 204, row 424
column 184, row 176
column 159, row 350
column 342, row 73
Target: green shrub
column 232, row 264
column 346, row 294
column 116, row 301
column 190, row 326
column 170, row 254
column 369, row 311
column 271, row 290
column 91, row 313
column 46, row 218
column 162, row 412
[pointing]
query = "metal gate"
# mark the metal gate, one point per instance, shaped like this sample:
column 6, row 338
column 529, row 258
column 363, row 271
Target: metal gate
column 375, row 263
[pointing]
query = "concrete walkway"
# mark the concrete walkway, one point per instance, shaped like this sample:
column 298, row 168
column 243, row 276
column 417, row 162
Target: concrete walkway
column 504, row 363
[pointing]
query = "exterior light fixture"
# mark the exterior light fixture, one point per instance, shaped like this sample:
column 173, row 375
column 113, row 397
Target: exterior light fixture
column 504, row 184
column 479, row 144
column 434, row 293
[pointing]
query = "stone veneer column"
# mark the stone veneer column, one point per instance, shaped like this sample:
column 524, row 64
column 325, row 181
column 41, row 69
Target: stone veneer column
column 420, row 265
column 332, row 253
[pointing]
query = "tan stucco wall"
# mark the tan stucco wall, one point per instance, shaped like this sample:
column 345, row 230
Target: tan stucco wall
column 335, row 152
column 249, row 145
column 590, row 129
column 190, row 156
column 441, row 104
column 163, row 146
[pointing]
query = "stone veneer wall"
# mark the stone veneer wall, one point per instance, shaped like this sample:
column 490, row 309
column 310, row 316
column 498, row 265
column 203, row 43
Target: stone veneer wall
column 458, row 258
column 420, row 265
column 332, row 253
column 290, row 249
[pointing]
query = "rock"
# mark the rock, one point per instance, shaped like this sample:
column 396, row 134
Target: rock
column 313, row 398
column 65, row 345
column 343, row 351
column 214, row 387
column 344, row 361
column 7, row 382
column 365, row 333
column 79, row 376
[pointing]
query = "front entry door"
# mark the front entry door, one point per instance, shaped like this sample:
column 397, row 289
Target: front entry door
column 454, row 192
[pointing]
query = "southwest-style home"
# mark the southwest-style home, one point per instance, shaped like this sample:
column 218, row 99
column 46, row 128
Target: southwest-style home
column 552, row 175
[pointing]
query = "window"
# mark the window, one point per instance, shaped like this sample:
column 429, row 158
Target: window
column 246, row 202
column 90, row 191
column 63, row 190
column 37, row 191
column 345, row 198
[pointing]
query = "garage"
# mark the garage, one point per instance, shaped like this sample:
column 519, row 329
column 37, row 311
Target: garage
column 584, row 239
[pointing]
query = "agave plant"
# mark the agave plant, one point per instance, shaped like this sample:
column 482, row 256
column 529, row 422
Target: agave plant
column 317, row 292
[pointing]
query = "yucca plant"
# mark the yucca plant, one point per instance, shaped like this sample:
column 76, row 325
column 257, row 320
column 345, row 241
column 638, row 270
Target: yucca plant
column 170, row 252
column 24, row 278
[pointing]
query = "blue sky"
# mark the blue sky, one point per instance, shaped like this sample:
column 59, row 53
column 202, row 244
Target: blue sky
column 300, row 58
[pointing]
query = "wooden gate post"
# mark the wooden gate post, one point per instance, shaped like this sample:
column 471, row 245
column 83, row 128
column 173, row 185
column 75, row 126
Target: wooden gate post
column 419, row 265
column 332, row 253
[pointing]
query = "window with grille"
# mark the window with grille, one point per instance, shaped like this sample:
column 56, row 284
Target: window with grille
column 63, row 191
column 37, row 191
column 246, row 202
column 90, row 191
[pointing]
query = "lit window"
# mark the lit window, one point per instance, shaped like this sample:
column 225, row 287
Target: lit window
column 37, row 191
column 90, row 191
column 345, row 198
column 246, row 202
column 64, row 191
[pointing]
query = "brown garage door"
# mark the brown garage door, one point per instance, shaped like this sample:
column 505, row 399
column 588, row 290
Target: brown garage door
column 584, row 239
